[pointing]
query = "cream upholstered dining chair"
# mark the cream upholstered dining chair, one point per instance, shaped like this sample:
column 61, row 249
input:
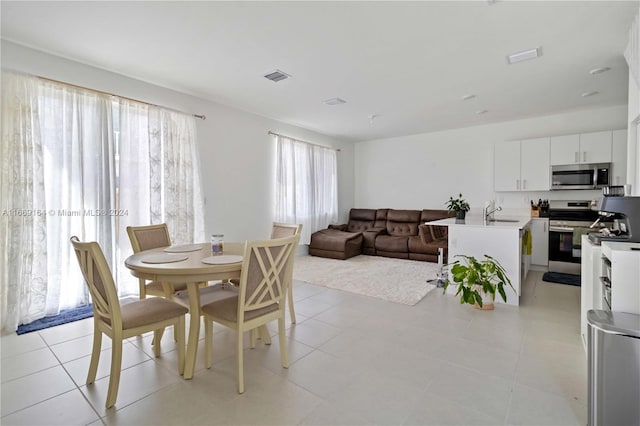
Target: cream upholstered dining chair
column 260, row 298
column 146, row 238
column 281, row 230
column 121, row 322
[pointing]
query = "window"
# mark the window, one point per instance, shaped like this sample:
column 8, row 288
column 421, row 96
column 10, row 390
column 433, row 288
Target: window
column 306, row 185
column 78, row 162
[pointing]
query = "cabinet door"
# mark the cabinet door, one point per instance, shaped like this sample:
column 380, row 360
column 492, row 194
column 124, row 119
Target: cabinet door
column 506, row 170
column 534, row 165
column 564, row 150
column 595, row 147
column 619, row 157
column 540, row 241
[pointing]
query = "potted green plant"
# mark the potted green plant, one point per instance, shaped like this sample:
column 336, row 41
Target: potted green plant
column 478, row 280
column 458, row 205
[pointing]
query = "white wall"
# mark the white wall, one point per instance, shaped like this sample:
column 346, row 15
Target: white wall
column 237, row 155
column 424, row 170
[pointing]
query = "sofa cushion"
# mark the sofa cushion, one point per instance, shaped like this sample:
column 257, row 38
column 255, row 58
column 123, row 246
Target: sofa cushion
column 332, row 239
column 361, row 219
column 416, row 245
column 381, row 218
column 391, row 243
column 403, row 222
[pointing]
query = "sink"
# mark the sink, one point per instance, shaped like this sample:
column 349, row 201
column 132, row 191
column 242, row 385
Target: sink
column 504, row 220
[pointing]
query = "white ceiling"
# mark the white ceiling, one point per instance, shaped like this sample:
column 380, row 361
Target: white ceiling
column 410, row 63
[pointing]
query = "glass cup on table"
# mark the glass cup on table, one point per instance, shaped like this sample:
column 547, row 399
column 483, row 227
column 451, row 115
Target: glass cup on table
column 217, row 244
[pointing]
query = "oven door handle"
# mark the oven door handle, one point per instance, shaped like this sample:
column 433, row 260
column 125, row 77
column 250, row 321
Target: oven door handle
column 560, row 229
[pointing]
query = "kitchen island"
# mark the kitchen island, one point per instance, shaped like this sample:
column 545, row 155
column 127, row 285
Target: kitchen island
column 500, row 238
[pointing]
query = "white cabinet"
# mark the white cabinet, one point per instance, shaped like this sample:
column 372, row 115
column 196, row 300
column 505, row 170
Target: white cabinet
column 581, row 149
column 507, row 166
column 618, row 172
column 522, row 165
column 540, row 241
column 595, row 147
column 534, row 164
column 590, row 285
column 564, row 149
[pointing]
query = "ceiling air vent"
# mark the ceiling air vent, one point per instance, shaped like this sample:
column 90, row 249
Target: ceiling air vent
column 276, row 76
column 335, row 101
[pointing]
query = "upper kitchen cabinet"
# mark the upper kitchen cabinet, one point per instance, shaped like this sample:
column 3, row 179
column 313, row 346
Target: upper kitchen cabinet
column 581, row 149
column 619, row 157
column 522, row 165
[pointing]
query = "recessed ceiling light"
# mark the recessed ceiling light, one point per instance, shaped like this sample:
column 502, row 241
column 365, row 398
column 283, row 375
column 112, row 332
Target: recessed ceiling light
column 276, row 76
column 469, row 96
column 335, row 101
column 599, row 70
column 587, row 94
column 525, row 55
column 482, row 111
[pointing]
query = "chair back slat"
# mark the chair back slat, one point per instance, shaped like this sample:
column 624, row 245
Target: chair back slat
column 148, row 237
column 97, row 276
column 282, row 230
column 263, row 280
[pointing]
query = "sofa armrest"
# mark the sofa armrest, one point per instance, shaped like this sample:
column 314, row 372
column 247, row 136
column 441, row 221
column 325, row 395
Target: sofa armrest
column 425, row 234
column 342, row 227
column 376, row 231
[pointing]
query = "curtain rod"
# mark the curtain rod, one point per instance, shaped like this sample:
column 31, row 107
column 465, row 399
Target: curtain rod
column 308, row 143
column 200, row 116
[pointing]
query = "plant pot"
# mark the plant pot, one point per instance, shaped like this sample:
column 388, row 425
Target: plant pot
column 486, row 306
column 460, row 214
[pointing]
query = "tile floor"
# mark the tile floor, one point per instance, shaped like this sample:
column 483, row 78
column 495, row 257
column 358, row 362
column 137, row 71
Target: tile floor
column 354, row 360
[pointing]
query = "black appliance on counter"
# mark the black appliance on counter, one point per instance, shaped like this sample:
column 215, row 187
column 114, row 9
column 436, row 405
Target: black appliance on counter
column 625, row 214
column 568, row 221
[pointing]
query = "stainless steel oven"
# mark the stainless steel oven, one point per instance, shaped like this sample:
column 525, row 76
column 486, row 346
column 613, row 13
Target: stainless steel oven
column 568, row 221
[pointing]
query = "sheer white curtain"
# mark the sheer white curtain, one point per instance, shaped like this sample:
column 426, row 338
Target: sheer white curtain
column 57, row 174
column 306, row 185
column 159, row 178
column 76, row 162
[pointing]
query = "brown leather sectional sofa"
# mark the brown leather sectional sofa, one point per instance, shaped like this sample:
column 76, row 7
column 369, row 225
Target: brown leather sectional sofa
column 383, row 232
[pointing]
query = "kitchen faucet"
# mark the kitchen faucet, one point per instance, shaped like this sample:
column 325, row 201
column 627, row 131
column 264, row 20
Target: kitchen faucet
column 487, row 212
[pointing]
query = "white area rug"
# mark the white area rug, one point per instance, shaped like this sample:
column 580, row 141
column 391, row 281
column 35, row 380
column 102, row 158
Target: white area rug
column 394, row 280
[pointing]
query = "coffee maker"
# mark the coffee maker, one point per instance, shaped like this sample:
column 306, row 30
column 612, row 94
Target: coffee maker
column 625, row 212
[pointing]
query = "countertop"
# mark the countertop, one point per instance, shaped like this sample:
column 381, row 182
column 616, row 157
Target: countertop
column 513, row 222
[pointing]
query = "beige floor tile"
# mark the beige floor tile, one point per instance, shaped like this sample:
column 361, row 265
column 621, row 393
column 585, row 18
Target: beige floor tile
column 321, row 373
column 182, row 403
column 310, row 308
column 302, row 290
column 329, row 414
column 27, row 363
column 533, row 407
column 12, row 344
column 78, row 368
column 545, row 374
column 77, row 348
column 65, row 410
column 65, row 332
column 486, row 393
column 381, row 399
column 342, row 316
column 135, row 383
column 313, row 333
column 268, row 401
column 479, row 357
column 32, row 389
column 432, row 409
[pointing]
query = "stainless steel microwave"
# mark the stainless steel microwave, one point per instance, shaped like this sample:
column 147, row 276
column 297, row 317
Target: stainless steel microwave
column 580, row 176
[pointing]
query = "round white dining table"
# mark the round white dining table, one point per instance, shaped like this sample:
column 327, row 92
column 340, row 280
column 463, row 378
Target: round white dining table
column 191, row 271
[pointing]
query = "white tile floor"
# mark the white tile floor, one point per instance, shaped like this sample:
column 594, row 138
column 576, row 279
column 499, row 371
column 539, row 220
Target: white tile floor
column 354, row 360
